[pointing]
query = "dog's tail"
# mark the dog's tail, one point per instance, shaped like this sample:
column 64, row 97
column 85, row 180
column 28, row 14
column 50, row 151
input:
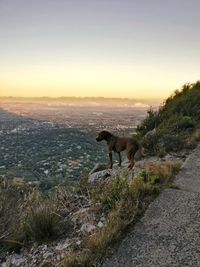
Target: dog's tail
column 140, row 152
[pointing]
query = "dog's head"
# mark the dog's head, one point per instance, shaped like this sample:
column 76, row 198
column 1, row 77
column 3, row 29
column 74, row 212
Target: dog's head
column 103, row 135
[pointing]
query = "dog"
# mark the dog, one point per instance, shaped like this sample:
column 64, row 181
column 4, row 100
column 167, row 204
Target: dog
column 119, row 144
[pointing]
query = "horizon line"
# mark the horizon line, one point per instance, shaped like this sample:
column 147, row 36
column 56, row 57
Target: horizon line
column 83, row 97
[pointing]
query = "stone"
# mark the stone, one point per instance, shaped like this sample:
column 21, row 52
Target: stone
column 82, row 216
column 78, row 242
column 150, row 133
column 64, row 245
column 100, row 224
column 16, row 260
column 98, row 167
column 189, row 176
column 87, row 228
column 99, row 176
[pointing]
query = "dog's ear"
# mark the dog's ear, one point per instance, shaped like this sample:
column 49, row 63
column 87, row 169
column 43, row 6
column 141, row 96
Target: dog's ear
column 104, row 132
column 107, row 135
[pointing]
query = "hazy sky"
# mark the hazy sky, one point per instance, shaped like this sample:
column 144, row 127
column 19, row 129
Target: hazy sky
column 121, row 48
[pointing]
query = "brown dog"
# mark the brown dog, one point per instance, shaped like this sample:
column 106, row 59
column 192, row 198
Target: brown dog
column 119, row 144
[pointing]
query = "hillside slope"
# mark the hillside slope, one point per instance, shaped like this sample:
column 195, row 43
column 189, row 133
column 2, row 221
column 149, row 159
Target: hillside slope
column 176, row 125
column 168, row 234
column 75, row 226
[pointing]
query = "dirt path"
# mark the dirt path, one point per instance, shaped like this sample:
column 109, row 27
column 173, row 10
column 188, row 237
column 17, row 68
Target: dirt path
column 169, row 233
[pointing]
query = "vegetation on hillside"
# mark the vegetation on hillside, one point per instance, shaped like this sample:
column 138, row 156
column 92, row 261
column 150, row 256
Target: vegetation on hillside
column 176, row 124
column 28, row 216
column 122, row 201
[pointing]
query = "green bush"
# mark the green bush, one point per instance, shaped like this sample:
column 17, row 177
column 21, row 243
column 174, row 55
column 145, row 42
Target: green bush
column 123, row 202
column 149, row 123
column 154, row 179
column 174, row 123
column 155, row 190
column 112, row 193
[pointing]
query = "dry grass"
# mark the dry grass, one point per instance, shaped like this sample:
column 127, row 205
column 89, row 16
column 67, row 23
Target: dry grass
column 41, row 220
column 77, row 259
column 11, row 205
column 164, row 171
column 122, row 202
column 33, row 218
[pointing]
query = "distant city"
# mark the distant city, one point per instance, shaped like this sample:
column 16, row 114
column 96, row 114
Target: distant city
column 47, row 142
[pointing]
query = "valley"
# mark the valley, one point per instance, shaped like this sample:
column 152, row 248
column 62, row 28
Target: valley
column 47, row 144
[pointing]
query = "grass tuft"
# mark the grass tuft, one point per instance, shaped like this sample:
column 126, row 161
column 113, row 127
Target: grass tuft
column 122, row 202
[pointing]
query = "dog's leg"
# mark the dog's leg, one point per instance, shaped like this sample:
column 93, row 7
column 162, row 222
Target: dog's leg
column 132, row 163
column 120, row 159
column 130, row 156
column 111, row 162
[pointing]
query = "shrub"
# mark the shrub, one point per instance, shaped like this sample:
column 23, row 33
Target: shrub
column 130, row 201
column 121, row 211
column 41, row 220
column 155, row 179
column 149, row 123
column 112, row 193
column 12, row 194
column 35, row 218
column 42, row 223
column 174, row 122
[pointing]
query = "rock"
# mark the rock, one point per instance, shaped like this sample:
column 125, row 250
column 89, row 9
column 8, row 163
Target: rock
column 167, row 234
column 58, row 258
column 150, row 133
column 100, row 224
column 83, row 216
column 125, row 163
column 98, row 167
column 87, row 228
column 16, row 260
column 100, row 175
column 62, row 255
column 47, row 254
column 46, row 172
column 64, row 245
column 103, row 219
column 78, row 242
column 45, row 247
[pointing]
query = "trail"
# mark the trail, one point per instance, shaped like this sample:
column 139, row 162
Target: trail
column 168, row 235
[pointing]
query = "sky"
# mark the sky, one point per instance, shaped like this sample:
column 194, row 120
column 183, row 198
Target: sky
column 109, row 48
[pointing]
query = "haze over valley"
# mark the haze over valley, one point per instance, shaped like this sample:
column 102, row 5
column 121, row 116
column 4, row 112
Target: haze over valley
column 46, row 142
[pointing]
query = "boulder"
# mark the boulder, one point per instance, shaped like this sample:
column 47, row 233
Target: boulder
column 150, row 133
column 87, row 228
column 16, row 260
column 99, row 176
column 98, row 167
column 83, row 215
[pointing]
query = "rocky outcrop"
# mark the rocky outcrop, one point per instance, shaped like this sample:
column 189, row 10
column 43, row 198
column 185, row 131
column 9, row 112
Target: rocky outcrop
column 83, row 214
column 168, row 233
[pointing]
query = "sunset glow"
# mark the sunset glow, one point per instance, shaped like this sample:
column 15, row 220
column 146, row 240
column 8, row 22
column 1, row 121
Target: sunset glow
column 135, row 49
